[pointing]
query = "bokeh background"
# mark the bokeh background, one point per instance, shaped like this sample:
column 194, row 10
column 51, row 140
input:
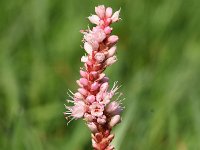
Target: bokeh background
column 158, row 67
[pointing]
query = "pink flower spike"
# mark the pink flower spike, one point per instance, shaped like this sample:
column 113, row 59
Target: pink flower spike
column 100, row 11
column 96, row 109
column 93, row 100
column 108, row 12
column 83, row 81
column 115, row 16
column 94, row 19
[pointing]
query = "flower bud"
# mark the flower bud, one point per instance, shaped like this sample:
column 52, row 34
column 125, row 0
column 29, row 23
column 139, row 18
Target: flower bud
column 99, row 96
column 79, row 84
column 95, row 44
column 90, row 98
column 84, row 74
column 100, row 11
column 115, row 16
column 105, row 79
column 94, row 19
column 101, row 76
column 113, row 39
column 78, row 95
column 108, row 30
column 83, row 91
column 94, row 86
column 108, row 12
column 88, row 48
column 99, row 57
column 84, row 59
column 110, row 61
column 114, row 120
column 111, row 51
column 104, row 87
column 92, row 127
column 83, row 81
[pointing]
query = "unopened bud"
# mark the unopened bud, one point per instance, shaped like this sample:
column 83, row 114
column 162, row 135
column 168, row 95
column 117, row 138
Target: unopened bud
column 108, row 30
column 88, row 48
column 78, row 95
column 99, row 96
column 115, row 16
column 92, row 127
column 113, row 39
column 83, row 91
column 83, row 81
column 108, row 12
column 114, row 120
column 100, row 11
column 94, row 19
column 111, row 51
column 94, row 86
column 84, row 74
column 104, row 87
column 90, row 98
column 105, row 79
column 79, row 84
column 84, row 59
column 110, row 61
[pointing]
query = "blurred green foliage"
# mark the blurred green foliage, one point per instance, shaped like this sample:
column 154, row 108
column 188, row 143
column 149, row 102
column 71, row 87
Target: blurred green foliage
column 159, row 68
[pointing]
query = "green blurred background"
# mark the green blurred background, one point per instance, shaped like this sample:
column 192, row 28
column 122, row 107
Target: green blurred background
column 159, row 68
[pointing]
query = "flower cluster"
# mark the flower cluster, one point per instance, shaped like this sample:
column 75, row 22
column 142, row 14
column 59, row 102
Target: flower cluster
column 93, row 100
